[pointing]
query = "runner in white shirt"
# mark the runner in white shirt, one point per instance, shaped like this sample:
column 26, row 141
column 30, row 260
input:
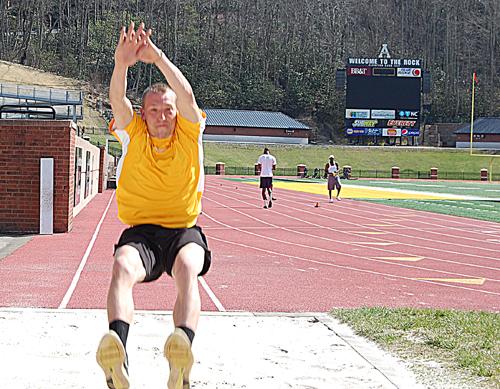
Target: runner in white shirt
column 267, row 164
column 332, row 172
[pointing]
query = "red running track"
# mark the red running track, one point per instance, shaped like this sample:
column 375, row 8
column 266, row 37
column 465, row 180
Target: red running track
column 291, row 258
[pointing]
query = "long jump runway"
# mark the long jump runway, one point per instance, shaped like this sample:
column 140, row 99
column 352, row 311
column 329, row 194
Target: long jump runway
column 294, row 257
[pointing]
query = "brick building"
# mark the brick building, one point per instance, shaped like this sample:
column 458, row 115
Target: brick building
column 486, row 134
column 78, row 173
column 224, row 125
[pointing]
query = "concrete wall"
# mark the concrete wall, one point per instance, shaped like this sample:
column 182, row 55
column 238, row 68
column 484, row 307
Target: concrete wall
column 479, row 145
column 439, row 135
column 89, row 173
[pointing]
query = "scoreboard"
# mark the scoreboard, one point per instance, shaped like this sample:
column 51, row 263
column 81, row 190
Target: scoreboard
column 383, row 97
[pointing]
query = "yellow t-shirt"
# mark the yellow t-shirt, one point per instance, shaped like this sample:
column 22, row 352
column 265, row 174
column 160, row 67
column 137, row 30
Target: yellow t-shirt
column 160, row 181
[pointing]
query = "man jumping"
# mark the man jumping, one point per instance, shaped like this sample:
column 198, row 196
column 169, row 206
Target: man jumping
column 159, row 188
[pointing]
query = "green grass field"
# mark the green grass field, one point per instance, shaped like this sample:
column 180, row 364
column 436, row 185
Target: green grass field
column 360, row 158
column 463, row 342
column 487, row 209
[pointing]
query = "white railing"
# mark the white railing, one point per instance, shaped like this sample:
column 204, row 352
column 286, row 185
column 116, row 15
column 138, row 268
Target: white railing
column 36, row 93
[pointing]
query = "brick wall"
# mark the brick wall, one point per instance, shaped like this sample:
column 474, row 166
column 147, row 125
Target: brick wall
column 103, row 172
column 22, row 144
column 479, row 138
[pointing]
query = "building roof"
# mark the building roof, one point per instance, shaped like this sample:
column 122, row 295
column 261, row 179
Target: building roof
column 256, row 119
column 481, row 126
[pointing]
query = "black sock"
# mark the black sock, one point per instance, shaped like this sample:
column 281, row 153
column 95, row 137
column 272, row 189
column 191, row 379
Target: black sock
column 189, row 332
column 121, row 328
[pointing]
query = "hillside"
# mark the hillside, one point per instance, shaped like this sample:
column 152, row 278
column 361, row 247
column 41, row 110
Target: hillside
column 11, row 73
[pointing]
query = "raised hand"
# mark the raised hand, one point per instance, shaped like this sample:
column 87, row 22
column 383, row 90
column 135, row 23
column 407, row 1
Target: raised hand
column 130, row 45
column 149, row 53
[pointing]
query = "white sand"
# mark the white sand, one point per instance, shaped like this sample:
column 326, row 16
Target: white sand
column 56, row 349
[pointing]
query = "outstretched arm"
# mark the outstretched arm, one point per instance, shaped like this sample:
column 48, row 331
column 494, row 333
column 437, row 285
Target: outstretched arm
column 186, row 102
column 129, row 46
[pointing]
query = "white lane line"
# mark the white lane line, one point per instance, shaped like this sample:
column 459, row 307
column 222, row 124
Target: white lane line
column 85, row 257
column 373, row 272
column 242, row 193
column 212, row 295
column 323, row 238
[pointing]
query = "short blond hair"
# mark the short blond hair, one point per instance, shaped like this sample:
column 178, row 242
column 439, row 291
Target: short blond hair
column 159, row 87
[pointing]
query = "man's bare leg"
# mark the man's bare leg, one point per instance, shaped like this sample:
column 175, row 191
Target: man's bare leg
column 111, row 355
column 188, row 264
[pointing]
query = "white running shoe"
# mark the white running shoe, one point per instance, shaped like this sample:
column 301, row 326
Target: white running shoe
column 339, row 198
column 112, row 358
column 331, row 201
column 178, row 352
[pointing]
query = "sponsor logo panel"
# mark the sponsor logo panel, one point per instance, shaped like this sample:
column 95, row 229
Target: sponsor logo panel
column 409, row 72
column 405, row 114
column 391, row 132
column 401, row 123
column 383, row 114
column 359, row 71
column 364, row 131
column 364, row 123
column 410, row 132
column 358, row 114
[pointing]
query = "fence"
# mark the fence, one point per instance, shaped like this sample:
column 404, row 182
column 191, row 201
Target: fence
column 48, row 95
column 250, row 171
column 357, row 173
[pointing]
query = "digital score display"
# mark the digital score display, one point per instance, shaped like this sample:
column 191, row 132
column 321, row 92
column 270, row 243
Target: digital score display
column 383, row 97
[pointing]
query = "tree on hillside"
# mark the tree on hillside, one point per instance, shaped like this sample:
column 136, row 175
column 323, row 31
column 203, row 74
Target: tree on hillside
column 263, row 54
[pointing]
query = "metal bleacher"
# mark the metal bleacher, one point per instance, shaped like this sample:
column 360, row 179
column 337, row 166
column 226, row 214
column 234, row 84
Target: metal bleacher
column 67, row 104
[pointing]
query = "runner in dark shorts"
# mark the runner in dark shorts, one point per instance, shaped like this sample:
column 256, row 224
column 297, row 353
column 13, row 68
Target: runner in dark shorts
column 267, row 164
column 332, row 173
column 266, row 182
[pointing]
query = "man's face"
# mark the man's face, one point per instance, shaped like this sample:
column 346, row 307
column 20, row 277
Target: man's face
column 159, row 112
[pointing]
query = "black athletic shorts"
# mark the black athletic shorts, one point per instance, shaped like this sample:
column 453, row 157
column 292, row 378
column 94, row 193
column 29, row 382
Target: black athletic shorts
column 266, row 182
column 158, row 246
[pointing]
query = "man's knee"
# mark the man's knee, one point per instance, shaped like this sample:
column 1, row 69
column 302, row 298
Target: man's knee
column 189, row 261
column 127, row 264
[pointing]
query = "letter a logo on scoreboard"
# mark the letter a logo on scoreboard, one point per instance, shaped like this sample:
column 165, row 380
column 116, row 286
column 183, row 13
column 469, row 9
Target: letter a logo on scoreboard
column 384, row 51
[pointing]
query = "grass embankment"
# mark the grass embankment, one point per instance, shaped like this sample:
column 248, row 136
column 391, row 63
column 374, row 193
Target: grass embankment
column 114, row 146
column 465, row 344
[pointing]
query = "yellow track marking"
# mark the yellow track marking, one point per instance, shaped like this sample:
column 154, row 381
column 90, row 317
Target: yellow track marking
column 468, row 281
column 354, row 192
column 407, row 259
column 374, row 243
